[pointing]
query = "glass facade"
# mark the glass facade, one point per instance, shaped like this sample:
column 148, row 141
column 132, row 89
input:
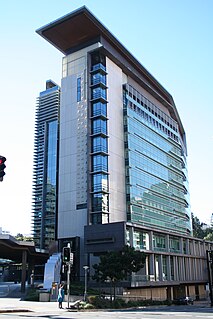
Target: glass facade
column 99, row 142
column 50, row 184
column 156, row 174
column 45, row 166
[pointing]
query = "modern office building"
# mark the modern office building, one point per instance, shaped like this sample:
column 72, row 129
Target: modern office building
column 122, row 162
column 46, row 166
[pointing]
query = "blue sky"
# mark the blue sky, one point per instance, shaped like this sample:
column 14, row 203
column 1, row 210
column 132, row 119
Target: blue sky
column 172, row 39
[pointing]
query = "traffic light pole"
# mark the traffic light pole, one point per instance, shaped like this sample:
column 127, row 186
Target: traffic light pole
column 68, row 284
column 67, row 256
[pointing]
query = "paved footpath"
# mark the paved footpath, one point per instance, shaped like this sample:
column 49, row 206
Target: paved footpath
column 8, row 305
column 17, row 305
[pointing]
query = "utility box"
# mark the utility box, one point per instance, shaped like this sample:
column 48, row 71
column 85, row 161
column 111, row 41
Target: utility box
column 44, row 296
column 54, row 291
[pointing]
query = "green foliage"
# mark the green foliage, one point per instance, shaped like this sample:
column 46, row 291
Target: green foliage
column 117, row 265
column 197, row 227
column 209, row 234
column 102, row 303
column 32, row 295
column 77, row 288
column 198, row 230
column 21, row 237
column 85, row 305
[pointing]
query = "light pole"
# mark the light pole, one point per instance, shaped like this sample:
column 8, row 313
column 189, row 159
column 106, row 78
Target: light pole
column 85, row 281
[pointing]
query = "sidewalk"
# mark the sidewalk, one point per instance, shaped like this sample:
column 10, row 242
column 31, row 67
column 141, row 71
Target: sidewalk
column 17, row 305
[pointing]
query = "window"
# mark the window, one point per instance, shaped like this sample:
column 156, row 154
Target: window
column 99, row 218
column 99, row 126
column 98, row 93
column 159, row 243
column 99, row 109
column 98, row 78
column 100, row 163
column 78, row 89
column 99, row 144
column 100, row 183
column 100, row 202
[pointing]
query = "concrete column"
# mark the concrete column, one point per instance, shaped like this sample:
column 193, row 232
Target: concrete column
column 160, row 267
column 194, row 248
column 152, row 265
column 199, row 249
column 151, row 240
column 131, row 235
column 183, row 269
column 181, row 245
column 23, row 272
column 167, row 243
column 176, row 275
column 187, row 265
column 187, row 246
column 168, row 266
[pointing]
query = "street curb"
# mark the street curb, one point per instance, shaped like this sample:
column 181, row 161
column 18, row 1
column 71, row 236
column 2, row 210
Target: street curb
column 14, row 310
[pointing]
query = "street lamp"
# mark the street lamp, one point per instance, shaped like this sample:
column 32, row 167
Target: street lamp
column 85, row 281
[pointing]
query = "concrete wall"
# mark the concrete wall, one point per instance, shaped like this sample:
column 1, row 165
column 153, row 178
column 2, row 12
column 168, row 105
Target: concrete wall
column 117, row 203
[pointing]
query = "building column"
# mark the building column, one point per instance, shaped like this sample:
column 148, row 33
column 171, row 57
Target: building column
column 187, row 265
column 167, row 243
column 184, row 268
column 131, row 236
column 152, row 267
column 187, row 246
column 23, row 272
column 194, row 248
column 151, row 240
column 168, row 266
column 176, row 276
column 181, row 245
column 199, row 249
column 160, row 267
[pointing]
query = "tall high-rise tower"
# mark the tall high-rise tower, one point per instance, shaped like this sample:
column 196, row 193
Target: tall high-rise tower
column 45, row 166
column 122, row 155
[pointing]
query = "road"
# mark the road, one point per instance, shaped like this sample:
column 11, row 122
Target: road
column 174, row 312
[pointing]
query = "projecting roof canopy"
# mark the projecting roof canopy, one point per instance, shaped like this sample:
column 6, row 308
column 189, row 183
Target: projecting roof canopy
column 81, row 27
column 12, row 249
column 69, row 31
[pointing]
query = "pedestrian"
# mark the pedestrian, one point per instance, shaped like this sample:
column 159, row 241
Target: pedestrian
column 60, row 296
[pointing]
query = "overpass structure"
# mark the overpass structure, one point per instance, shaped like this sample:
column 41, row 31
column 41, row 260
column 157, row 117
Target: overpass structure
column 21, row 252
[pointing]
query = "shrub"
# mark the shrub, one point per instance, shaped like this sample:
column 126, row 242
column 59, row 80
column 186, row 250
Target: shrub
column 32, row 295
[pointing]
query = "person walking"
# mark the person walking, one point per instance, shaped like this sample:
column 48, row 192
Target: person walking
column 60, row 296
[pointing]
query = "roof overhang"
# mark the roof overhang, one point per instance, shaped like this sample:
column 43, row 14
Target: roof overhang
column 81, row 27
column 12, row 249
column 73, row 29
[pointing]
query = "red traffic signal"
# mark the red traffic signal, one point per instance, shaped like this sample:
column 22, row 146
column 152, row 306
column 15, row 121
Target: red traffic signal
column 2, row 167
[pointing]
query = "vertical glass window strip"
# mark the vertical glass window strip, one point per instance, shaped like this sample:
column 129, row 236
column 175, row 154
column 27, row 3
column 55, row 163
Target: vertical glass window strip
column 98, row 78
column 99, row 126
column 100, row 183
column 99, row 144
column 99, row 108
column 78, row 89
column 100, row 163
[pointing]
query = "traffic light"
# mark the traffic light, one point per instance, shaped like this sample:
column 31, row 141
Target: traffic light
column 66, row 254
column 2, row 167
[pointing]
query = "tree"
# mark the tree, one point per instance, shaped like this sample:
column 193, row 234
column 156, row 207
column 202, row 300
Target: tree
column 198, row 232
column 209, row 235
column 21, row 237
column 115, row 266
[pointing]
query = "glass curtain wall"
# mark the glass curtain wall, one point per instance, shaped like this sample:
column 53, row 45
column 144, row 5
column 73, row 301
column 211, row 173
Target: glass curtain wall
column 157, row 191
